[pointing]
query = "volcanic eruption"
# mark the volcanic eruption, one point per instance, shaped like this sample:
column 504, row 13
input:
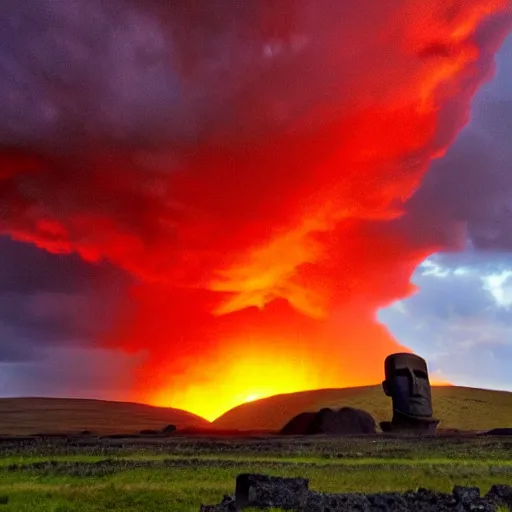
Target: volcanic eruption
column 247, row 163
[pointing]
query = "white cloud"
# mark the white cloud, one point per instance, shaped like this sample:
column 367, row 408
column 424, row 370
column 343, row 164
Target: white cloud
column 500, row 286
column 459, row 319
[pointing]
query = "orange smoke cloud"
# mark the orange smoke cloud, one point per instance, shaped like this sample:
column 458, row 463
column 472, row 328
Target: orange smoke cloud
column 265, row 247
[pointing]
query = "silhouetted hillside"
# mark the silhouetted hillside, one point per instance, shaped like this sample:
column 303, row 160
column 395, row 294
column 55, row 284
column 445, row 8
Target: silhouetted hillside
column 68, row 415
column 457, row 407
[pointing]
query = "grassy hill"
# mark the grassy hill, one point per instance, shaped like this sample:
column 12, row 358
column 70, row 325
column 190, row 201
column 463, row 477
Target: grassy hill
column 26, row 416
column 457, row 407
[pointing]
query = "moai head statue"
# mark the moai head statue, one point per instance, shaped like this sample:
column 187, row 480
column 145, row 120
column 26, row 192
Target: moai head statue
column 408, row 385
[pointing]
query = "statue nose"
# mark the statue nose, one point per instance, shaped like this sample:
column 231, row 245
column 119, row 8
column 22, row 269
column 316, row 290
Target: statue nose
column 415, row 387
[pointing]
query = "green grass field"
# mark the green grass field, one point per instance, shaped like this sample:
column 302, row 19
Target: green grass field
column 181, row 473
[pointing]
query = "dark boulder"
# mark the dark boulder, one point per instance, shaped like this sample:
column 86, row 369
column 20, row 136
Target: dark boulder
column 347, row 420
column 169, row 430
column 500, row 494
column 227, row 504
column 264, row 491
column 148, row 432
column 299, row 424
column 344, row 421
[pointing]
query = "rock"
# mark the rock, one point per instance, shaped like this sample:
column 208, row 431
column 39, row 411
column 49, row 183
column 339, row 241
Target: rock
column 263, row 492
column 227, row 504
column 466, row 494
column 500, row 494
column 271, row 491
column 168, row 430
column 322, row 502
column 344, row 421
column 502, row 431
column 148, row 432
column 347, row 420
column 299, row 424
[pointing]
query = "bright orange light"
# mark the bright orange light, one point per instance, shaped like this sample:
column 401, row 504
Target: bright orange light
column 239, row 378
column 252, row 398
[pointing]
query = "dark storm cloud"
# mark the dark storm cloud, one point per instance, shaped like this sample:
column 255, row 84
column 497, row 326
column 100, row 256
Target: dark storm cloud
column 74, row 70
column 472, row 183
column 25, row 269
column 135, row 72
column 71, row 372
column 50, row 300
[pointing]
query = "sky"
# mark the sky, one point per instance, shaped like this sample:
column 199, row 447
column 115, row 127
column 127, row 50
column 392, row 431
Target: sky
column 208, row 203
column 460, row 319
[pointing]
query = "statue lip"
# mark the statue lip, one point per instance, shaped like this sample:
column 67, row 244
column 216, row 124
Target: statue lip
column 419, row 400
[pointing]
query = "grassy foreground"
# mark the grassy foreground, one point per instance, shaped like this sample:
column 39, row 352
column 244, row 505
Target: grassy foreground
column 181, row 474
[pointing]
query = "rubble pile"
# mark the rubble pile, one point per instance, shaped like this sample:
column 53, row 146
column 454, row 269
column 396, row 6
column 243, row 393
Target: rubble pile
column 264, row 492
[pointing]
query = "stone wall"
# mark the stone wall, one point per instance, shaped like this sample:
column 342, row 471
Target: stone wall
column 262, row 491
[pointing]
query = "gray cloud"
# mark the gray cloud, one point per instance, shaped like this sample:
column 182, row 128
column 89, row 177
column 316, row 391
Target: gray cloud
column 72, row 372
column 460, row 320
column 472, row 183
column 49, row 300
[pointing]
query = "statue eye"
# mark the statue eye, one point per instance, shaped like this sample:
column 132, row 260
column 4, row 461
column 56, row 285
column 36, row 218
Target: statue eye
column 421, row 374
column 402, row 373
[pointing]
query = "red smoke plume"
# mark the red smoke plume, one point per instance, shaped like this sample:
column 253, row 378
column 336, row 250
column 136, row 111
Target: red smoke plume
column 265, row 243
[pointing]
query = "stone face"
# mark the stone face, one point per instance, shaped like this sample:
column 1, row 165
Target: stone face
column 406, row 382
column 270, row 491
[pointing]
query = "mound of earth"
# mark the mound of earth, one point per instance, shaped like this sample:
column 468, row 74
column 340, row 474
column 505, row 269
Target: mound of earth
column 25, row 416
column 457, row 407
column 347, row 420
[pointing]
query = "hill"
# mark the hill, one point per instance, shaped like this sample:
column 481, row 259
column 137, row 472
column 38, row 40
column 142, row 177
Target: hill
column 25, row 416
column 457, row 407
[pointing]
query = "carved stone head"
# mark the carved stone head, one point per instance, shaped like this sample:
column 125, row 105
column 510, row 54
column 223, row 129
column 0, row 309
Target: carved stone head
column 408, row 385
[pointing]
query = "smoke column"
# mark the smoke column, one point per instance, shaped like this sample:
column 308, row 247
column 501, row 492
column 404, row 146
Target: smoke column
column 247, row 163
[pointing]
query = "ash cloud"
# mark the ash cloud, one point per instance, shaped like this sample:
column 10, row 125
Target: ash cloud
column 243, row 162
column 472, row 184
column 49, row 301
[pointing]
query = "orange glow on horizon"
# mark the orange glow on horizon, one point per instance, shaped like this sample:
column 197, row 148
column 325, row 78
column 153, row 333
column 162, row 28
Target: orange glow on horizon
column 251, row 378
